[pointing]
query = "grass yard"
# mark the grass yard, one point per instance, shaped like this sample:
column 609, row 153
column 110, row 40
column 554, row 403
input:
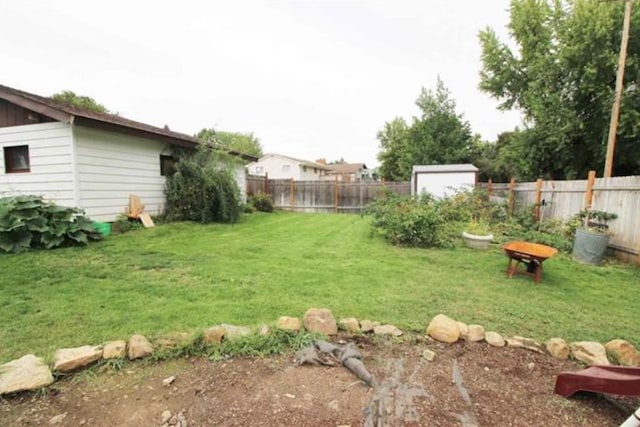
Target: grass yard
column 183, row 277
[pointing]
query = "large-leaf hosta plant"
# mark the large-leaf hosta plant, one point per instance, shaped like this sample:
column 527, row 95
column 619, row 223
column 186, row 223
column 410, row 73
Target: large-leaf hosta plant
column 29, row 222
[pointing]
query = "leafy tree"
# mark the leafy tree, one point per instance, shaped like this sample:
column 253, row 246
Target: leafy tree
column 561, row 75
column 245, row 143
column 394, row 143
column 438, row 136
column 203, row 188
column 84, row 102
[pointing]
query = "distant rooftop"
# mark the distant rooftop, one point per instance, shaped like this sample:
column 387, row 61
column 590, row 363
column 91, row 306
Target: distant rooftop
column 345, row 168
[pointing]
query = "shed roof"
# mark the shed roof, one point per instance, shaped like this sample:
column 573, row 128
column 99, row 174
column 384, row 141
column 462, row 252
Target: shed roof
column 70, row 114
column 464, row 167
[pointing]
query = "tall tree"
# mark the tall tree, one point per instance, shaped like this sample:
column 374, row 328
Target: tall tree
column 561, row 75
column 245, row 143
column 84, row 102
column 438, row 136
column 394, row 142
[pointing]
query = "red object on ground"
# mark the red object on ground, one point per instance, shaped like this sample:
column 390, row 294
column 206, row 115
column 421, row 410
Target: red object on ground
column 530, row 254
column 619, row 380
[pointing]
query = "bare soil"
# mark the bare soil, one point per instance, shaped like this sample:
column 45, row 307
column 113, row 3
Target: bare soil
column 467, row 384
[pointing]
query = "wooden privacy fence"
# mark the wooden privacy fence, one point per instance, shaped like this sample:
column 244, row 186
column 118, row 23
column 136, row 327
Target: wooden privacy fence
column 322, row 196
column 563, row 199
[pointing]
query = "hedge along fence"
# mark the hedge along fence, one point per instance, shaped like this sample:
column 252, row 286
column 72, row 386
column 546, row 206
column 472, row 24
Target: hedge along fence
column 323, row 196
column 562, row 199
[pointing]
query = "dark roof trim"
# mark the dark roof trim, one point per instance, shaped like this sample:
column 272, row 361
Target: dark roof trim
column 70, row 114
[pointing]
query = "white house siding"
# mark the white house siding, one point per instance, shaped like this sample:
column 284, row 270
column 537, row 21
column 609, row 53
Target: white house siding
column 273, row 165
column 112, row 166
column 51, row 162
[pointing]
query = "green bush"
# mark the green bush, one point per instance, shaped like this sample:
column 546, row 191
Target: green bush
column 123, row 225
column 467, row 206
column 262, row 202
column 409, row 221
column 203, row 189
column 523, row 226
column 28, row 222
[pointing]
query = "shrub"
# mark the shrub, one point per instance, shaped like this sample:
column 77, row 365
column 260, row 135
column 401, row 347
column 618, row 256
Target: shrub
column 410, row 221
column 523, row 226
column 28, row 222
column 203, row 189
column 123, row 225
column 262, row 202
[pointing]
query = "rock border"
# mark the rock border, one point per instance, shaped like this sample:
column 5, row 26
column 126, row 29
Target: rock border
column 31, row 373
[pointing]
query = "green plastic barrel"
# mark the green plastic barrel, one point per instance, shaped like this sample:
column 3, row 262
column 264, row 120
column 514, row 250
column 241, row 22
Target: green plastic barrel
column 103, row 228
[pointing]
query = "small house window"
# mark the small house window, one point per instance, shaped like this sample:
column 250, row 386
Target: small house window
column 315, row 170
column 286, row 168
column 259, row 169
column 16, row 159
column 167, row 165
column 304, row 169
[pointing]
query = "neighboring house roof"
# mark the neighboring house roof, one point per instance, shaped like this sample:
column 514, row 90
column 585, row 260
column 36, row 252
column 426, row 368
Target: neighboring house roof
column 293, row 159
column 347, row 168
column 466, row 167
column 70, row 114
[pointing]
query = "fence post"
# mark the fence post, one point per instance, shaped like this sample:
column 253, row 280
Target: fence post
column 489, row 187
column 266, row 183
column 538, row 198
column 512, row 199
column 588, row 197
column 335, row 194
column 292, row 194
column 361, row 196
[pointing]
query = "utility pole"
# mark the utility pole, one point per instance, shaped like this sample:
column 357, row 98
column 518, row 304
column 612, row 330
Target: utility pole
column 615, row 110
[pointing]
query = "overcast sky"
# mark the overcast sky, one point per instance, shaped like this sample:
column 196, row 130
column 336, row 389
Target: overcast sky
column 310, row 79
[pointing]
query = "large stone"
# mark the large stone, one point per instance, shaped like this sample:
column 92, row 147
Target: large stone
column 476, row 333
column 526, row 343
column 494, row 339
column 387, row 330
column 139, row 347
column 213, row 335
column 368, row 325
column 289, row 323
column 114, row 350
column 233, row 332
column 623, row 352
column 70, row 359
column 320, row 320
column 558, row 348
column 349, row 324
column 443, row 328
column 589, row 352
column 464, row 330
column 27, row 373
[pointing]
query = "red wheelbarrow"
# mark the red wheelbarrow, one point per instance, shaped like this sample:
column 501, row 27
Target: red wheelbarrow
column 531, row 255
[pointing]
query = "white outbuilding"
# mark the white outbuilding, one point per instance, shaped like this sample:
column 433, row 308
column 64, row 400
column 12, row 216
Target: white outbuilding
column 443, row 180
column 81, row 158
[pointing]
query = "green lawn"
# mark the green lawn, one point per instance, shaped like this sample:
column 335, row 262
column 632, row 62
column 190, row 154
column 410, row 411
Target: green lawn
column 181, row 277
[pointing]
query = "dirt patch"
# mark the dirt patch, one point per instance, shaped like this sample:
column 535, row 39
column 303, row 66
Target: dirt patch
column 467, row 384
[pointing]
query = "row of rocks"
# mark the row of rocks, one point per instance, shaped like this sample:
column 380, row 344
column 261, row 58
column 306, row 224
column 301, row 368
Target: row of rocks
column 31, row 373
column 443, row 328
column 320, row 320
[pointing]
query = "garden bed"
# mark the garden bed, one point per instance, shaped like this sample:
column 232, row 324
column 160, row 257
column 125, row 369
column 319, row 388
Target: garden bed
column 506, row 386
